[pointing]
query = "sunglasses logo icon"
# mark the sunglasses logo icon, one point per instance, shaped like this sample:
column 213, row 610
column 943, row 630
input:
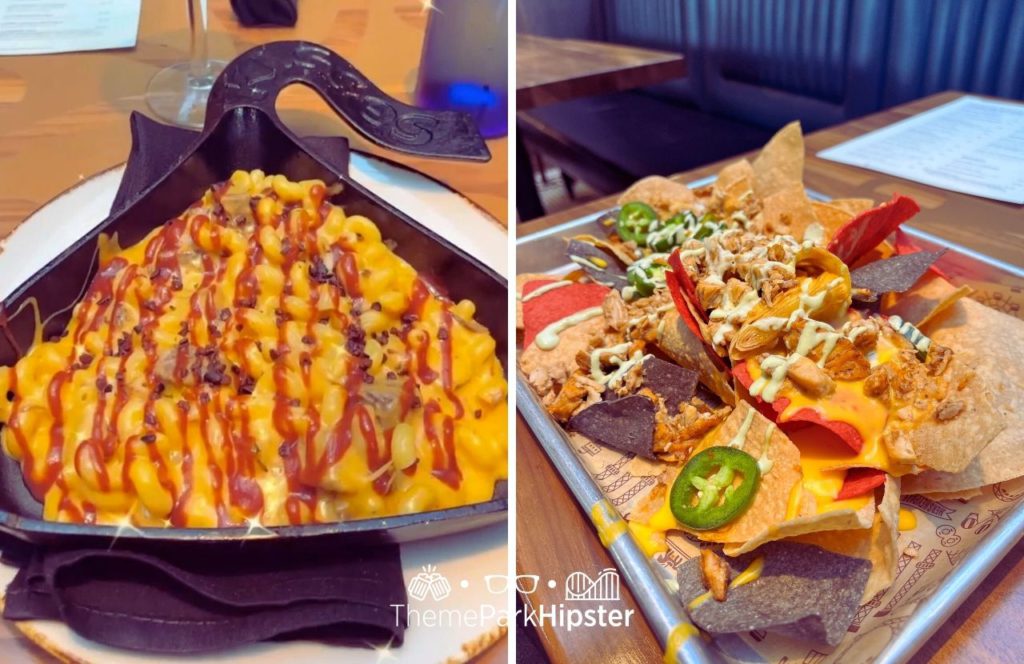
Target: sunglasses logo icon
column 498, row 584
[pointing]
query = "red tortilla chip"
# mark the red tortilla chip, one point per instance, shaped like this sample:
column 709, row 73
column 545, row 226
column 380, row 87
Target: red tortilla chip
column 868, row 229
column 742, row 376
column 845, row 432
column 860, row 481
column 687, row 315
column 556, row 304
column 688, row 287
column 676, row 291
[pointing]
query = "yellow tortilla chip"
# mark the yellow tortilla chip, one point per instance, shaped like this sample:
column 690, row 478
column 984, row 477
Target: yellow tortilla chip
column 545, row 369
column 989, row 342
column 734, row 185
column 950, row 445
column 667, row 197
column 787, row 212
column 759, row 437
column 808, row 522
column 853, row 205
column 618, row 249
column 877, row 544
column 966, row 494
column 927, row 299
column 781, row 161
column 831, row 217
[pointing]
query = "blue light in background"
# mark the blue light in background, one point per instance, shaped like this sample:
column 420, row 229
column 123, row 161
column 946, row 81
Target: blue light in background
column 471, row 95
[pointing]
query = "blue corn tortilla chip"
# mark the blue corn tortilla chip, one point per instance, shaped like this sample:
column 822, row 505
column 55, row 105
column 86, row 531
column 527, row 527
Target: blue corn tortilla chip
column 676, row 385
column 803, row 592
column 599, row 265
column 625, row 424
column 892, row 275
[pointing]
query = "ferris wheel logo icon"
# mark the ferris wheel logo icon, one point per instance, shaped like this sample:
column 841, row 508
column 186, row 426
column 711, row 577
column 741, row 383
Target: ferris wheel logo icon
column 581, row 587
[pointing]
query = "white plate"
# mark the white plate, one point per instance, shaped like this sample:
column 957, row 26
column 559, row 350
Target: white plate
column 468, row 557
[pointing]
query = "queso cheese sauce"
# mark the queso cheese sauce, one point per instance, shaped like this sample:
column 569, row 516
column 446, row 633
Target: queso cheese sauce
column 262, row 357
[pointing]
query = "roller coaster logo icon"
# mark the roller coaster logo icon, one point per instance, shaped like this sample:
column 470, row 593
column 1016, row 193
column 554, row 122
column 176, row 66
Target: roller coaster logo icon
column 580, row 587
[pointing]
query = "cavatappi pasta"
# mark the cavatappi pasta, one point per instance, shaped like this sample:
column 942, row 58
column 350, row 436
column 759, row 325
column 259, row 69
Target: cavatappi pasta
column 261, row 357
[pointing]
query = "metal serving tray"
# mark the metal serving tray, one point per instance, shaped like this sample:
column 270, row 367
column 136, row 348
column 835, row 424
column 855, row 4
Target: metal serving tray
column 243, row 132
column 544, row 252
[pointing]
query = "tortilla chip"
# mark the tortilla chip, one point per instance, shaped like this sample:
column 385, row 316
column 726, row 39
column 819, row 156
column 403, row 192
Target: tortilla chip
column 877, row 544
column 950, row 445
column 617, row 248
column 989, row 342
column 809, row 522
column 684, row 348
column 556, row 304
column 868, row 229
column 894, row 275
column 966, row 494
column 665, row 196
column 927, row 299
column 781, row 161
column 770, row 501
column 787, row 211
column 860, row 481
column 625, row 424
column 675, row 385
column 853, row 205
column 601, row 266
column 521, row 280
column 831, row 217
column 803, row 592
column 735, row 183
column 545, row 368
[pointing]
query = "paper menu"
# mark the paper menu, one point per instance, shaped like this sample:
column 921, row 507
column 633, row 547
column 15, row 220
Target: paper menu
column 29, row 27
column 970, row 145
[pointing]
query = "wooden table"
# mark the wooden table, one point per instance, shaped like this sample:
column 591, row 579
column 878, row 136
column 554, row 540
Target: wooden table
column 64, row 117
column 552, row 70
column 555, row 538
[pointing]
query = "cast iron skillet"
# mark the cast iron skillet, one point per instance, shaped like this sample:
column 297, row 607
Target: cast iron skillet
column 243, row 132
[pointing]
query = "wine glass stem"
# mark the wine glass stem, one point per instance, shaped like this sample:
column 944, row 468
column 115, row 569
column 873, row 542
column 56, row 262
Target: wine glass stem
column 197, row 26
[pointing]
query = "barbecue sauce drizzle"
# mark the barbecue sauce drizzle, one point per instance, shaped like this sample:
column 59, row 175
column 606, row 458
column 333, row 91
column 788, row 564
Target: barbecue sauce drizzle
column 302, row 470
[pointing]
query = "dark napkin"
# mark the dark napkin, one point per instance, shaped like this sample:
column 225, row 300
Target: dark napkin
column 266, row 12
column 225, row 595
column 156, row 149
column 188, row 600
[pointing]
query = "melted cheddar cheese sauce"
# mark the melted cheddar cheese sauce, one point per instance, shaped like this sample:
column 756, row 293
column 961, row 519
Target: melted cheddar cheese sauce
column 824, row 463
column 261, row 358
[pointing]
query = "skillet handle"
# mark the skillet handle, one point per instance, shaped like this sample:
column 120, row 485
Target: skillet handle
column 256, row 77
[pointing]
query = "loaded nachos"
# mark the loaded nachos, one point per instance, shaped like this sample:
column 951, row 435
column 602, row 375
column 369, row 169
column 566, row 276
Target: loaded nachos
column 790, row 368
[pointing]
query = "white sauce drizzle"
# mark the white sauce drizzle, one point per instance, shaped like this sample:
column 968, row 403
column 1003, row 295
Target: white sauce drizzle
column 764, row 464
column 582, row 261
column 595, row 359
column 544, row 289
column 741, row 436
column 774, row 367
column 548, row 338
column 731, row 314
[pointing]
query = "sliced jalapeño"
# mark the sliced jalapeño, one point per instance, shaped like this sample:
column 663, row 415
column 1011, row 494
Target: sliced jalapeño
column 714, row 488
